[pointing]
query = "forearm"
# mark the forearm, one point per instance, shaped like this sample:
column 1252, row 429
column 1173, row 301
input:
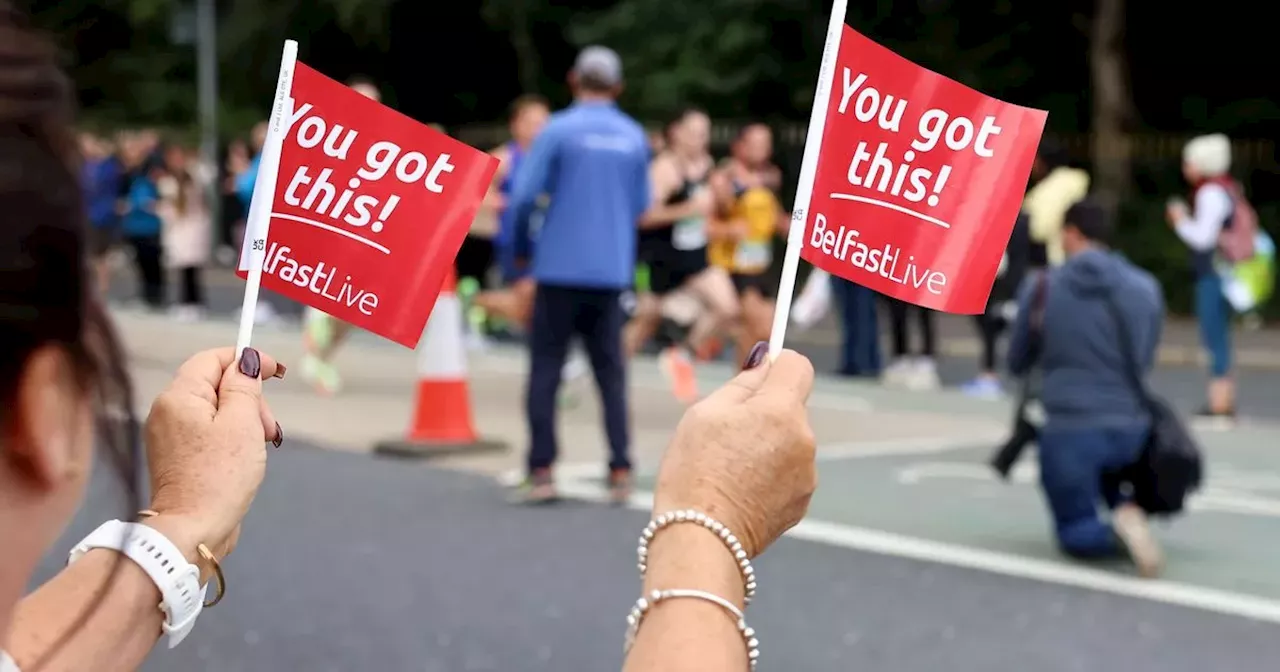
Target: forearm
column 102, row 612
column 664, row 215
column 119, row 605
column 690, row 635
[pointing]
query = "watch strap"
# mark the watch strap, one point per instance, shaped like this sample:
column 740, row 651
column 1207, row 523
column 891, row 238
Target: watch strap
column 182, row 596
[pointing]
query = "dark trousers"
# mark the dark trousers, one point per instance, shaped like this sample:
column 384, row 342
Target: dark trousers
column 989, row 328
column 147, row 258
column 898, row 314
column 192, row 287
column 1078, row 469
column 597, row 317
column 860, row 337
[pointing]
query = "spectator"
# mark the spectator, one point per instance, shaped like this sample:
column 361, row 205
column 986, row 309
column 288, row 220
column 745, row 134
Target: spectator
column 187, row 228
column 1055, row 187
column 142, row 228
column 62, row 368
column 592, row 161
column 1002, row 306
column 1096, row 420
column 859, row 335
column 914, row 371
column 1206, row 162
column 102, row 175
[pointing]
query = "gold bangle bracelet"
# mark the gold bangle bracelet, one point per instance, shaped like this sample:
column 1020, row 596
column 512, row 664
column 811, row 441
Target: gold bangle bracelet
column 217, row 574
column 206, row 555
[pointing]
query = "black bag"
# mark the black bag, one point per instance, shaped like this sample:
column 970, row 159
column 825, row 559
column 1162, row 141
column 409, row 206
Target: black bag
column 1026, row 420
column 1171, row 465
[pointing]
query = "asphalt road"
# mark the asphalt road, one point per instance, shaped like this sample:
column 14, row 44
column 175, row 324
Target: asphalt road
column 349, row 563
column 1184, row 386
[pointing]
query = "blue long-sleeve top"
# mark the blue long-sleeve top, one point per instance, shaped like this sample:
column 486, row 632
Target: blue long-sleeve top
column 592, row 161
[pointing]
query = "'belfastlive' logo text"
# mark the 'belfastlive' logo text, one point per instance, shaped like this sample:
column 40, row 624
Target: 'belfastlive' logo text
column 844, row 244
column 318, row 278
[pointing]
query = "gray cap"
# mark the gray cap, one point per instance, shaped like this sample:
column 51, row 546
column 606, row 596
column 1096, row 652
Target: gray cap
column 600, row 64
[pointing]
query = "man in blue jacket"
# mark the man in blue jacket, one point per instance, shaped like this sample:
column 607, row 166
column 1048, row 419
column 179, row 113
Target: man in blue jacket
column 592, row 161
column 1101, row 324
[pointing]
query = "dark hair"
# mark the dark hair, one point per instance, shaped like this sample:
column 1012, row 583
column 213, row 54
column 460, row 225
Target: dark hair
column 1090, row 219
column 528, row 100
column 746, row 129
column 678, row 119
column 46, row 298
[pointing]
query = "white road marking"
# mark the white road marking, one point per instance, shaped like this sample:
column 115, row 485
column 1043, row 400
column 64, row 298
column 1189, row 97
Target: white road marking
column 1228, row 491
column 1047, row 571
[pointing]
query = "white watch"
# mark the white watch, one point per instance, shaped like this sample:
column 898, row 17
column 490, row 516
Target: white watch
column 182, row 596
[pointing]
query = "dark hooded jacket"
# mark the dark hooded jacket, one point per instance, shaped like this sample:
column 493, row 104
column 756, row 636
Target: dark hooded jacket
column 1084, row 383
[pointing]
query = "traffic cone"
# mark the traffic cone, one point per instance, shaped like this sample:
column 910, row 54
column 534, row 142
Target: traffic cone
column 442, row 422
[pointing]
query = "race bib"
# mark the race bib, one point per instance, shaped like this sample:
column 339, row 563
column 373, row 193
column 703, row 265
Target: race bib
column 689, row 234
column 753, row 255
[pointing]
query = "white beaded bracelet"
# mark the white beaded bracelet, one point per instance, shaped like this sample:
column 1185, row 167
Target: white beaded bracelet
column 644, row 604
column 716, row 527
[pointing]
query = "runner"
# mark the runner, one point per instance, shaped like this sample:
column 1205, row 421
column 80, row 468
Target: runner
column 746, row 190
column 673, row 243
column 322, row 334
column 515, row 300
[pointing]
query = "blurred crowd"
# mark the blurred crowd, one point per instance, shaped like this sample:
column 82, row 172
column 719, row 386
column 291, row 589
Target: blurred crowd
column 150, row 207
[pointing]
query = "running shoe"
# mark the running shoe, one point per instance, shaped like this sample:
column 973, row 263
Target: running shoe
column 619, row 487
column 677, row 366
column 322, row 375
column 538, row 488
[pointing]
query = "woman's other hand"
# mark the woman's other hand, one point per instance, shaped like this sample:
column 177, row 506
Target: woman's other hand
column 206, row 446
column 745, row 454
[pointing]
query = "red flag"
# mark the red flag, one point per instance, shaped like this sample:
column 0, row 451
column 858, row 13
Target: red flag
column 370, row 209
column 919, row 180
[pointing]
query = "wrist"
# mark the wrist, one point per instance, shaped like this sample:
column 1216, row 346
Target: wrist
column 691, row 556
column 186, row 534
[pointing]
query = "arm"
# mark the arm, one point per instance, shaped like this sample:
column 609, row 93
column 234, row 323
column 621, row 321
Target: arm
column 245, row 182
column 688, row 635
column 1021, row 358
column 120, row 603
column 1213, row 206
column 643, row 188
column 665, row 178
column 531, row 181
column 721, row 226
column 493, row 201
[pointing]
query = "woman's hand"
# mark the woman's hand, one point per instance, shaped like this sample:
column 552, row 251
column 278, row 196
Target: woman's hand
column 745, row 454
column 206, row 445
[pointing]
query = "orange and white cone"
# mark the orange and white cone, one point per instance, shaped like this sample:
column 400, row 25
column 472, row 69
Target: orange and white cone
column 442, row 422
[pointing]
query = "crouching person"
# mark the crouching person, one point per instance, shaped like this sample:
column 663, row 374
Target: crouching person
column 1096, row 423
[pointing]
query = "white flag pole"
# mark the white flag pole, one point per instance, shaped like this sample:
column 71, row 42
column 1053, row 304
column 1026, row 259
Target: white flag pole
column 264, row 187
column 808, row 171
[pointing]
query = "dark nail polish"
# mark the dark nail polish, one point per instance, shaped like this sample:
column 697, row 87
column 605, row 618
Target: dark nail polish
column 280, row 371
column 251, row 363
column 756, row 356
column 279, row 436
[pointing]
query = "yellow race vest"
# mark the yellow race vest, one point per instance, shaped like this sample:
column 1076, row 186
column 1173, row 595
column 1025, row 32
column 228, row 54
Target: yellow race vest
column 760, row 209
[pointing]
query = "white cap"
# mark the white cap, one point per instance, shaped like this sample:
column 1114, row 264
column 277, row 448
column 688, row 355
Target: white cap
column 601, row 64
column 1209, row 155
